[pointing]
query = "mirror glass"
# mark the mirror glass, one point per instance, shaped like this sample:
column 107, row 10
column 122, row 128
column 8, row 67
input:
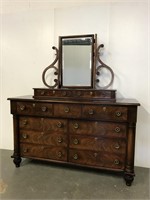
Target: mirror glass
column 77, row 61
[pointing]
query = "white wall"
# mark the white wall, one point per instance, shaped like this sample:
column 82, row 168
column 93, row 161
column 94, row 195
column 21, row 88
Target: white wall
column 29, row 33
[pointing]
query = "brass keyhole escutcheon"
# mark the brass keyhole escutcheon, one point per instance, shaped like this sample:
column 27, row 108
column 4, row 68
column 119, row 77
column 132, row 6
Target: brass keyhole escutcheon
column 117, row 129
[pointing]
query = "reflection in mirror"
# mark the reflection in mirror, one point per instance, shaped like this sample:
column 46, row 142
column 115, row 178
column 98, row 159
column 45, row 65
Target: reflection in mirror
column 77, row 61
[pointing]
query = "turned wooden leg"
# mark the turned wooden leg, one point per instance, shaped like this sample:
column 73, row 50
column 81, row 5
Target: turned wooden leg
column 129, row 179
column 17, row 160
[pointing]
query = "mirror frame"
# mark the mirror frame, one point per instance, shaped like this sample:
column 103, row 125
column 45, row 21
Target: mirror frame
column 93, row 67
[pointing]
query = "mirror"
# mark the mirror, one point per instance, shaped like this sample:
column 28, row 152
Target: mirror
column 76, row 61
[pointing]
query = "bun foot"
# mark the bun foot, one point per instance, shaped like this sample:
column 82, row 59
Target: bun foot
column 129, row 179
column 17, row 160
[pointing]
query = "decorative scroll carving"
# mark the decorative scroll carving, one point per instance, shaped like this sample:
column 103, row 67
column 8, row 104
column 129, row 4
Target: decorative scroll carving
column 103, row 65
column 50, row 67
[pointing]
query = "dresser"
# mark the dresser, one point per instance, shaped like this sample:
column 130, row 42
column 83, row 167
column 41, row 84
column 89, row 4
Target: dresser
column 95, row 134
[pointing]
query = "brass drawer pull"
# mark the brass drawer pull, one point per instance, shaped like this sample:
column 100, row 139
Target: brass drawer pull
column 59, row 154
column 117, row 146
column 91, row 112
column 24, row 122
column 25, row 150
column 24, row 136
column 59, row 124
column 76, row 125
column 78, row 93
column 66, row 109
column 64, row 93
column 44, row 108
column 75, row 141
column 22, row 107
column 95, row 155
column 75, row 157
column 117, row 129
column 42, row 92
column 118, row 113
column 59, row 139
column 116, row 162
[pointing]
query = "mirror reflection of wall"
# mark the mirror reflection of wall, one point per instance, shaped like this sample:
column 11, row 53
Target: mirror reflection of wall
column 76, row 61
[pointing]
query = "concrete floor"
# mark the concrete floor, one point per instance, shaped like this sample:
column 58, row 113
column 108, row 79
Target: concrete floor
column 41, row 180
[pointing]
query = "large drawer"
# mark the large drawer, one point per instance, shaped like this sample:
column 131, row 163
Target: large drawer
column 97, row 159
column 97, row 144
column 29, row 108
column 42, row 151
column 103, row 129
column 51, row 139
column 67, row 110
column 115, row 113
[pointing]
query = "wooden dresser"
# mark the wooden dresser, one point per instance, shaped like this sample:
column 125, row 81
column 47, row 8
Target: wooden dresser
column 95, row 134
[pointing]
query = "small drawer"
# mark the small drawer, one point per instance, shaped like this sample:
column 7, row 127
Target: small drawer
column 116, row 113
column 31, row 123
column 47, row 152
column 97, row 159
column 25, row 108
column 43, row 109
column 98, row 144
column 103, row 129
column 36, row 137
column 67, row 110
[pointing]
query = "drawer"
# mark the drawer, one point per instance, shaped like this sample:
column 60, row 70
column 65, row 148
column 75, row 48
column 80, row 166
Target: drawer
column 67, row 110
column 116, row 113
column 103, row 129
column 97, row 144
column 97, row 159
column 44, row 125
column 42, row 151
column 28, row 108
column 35, row 137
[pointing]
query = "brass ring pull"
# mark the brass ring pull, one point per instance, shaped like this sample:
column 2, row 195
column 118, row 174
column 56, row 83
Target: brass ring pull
column 117, row 146
column 116, row 162
column 76, row 125
column 75, row 157
column 66, row 109
column 59, row 139
column 117, row 129
column 44, row 108
column 118, row 113
column 22, row 107
column 59, row 154
column 75, row 141
column 91, row 112
column 24, row 136
column 59, row 124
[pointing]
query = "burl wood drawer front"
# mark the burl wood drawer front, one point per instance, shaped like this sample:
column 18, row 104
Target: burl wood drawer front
column 45, row 125
column 67, row 110
column 35, row 137
column 97, row 159
column 47, row 152
column 116, row 113
column 98, row 144
column 104, row 129
column 28, row 108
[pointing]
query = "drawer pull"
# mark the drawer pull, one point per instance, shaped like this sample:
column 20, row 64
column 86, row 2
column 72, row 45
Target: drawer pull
column 78, row 93
column 22, row 107
column 66, row 109
column 118, row 113
column 95, row 155
column 91, row 112
column 91, row 93
column 59, row 154
column 104, row 109
column 24, row 136
column 25, row 150
column 117, row 129
column 59, row 124
column 44, row 108
column 59, row 139
column 76, row 125
column 24, row 122
column 42, row 92
column 75, row 157
column 64, row 93
column 116, row 162
column 75, row 141
column 117, row 146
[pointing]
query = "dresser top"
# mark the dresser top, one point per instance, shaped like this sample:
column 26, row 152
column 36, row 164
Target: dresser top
column 123, row 101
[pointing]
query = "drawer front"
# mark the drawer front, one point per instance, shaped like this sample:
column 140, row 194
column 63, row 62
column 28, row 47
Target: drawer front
column 97, row 159
column 44, row 125
column 97, row 144
column 67, row 110
column 28, row 108
column 35, row 137
column 116, row 113
column 47, row 152
column 104, row 129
